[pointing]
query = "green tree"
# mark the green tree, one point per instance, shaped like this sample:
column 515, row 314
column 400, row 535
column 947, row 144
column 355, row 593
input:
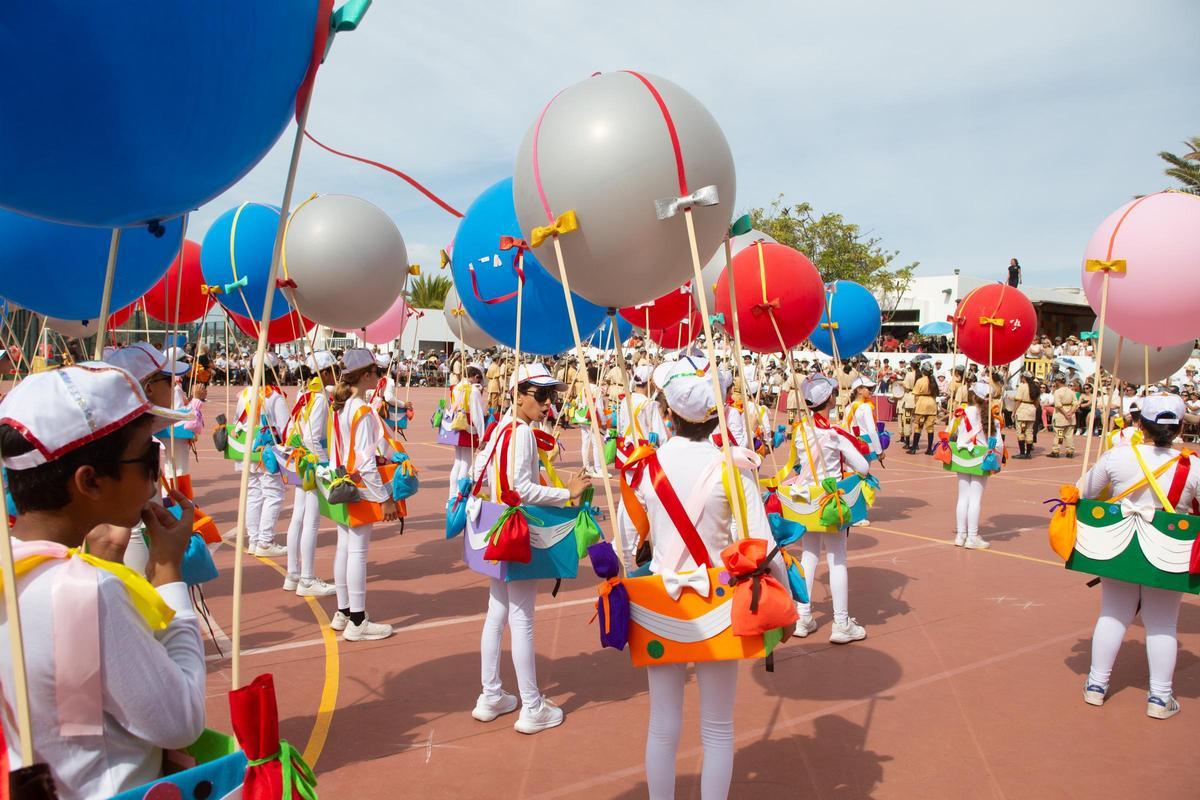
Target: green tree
column 839, row 249
column 429, row 291
column 1185, row 168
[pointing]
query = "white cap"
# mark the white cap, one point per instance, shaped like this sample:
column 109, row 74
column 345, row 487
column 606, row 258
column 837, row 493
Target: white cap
column 687, row 389
column 1164, row 409
column 356, row 358
column 60, row 410
column 177, row 354
column 641, row 375
column 816, row 389
column 536, row 374
column 142, row 359
column 982, row 389
column 862, row 380
column 272, row 360
column 320, row 360
column 383, row 360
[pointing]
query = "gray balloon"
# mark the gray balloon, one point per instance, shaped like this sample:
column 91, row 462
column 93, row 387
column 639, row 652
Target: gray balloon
column 462, row 327
column 1163, row 361
column 716, row 265
column 348, row 261
column 604, row 151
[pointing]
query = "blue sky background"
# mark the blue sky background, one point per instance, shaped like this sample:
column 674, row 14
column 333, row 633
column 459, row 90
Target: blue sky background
column 961, row 135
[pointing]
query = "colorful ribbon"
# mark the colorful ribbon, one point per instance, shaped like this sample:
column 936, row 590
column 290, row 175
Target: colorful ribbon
column 741, row 226
column 1098, row 265
column 211, row 290
column 443, row 259
column 297, row 775
column 605, row 609
column 566, row 222
column 764, row 307
column 238, row 284
column 997, row 321
column 414, row 269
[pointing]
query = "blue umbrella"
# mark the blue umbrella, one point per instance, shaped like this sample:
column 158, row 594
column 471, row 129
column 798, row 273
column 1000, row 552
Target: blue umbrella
column 942, row 328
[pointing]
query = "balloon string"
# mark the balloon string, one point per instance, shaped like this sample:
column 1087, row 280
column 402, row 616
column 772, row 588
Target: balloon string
column 412, row 182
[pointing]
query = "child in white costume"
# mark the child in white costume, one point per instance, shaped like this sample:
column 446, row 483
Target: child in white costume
column 512, row 603
column 1118, row 470
column 692, row 463
column 310, row 420
column 265, row 494
column 832, row 454
column 466, row 416
column 971, row 431
column 647, row 417
column 592, row 398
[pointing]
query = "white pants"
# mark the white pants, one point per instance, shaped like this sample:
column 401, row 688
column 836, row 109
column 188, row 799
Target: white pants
column 718, row 687
column 350, row 566
column 839, row 576
column 461, row 468
column 593, row 456
column 302, row 533
column 511, row 604
column 970, row 500
column 263, row 501
column 1159, row 612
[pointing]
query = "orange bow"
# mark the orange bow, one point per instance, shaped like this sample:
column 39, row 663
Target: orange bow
column 830, row 498
column 603, row 591
column 997, row 321
column 205, row 289
column 633, row 468
column 1097, row 265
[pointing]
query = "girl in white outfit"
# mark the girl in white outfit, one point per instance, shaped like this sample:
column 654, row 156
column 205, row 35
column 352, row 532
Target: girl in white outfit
column 832, row 454
column 860, row 422
column 310, row 419
column 692, row 464
column 466, row 401
column 593, row 399
column 512, row 603
column 971, row 432
column 646, row 413
column 1118, row 469
column 264, row 496
column 359, row 375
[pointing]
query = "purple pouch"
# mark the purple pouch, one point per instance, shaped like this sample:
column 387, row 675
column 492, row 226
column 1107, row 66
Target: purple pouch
column 612, row 608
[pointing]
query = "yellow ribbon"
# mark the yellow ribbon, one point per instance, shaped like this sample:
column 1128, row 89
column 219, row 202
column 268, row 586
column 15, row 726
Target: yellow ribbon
column 458, row 311
column 829, row 325
column 997, row 321
column 566, row 223
column 1098, row 265
column 206, row 289
column 414, row 269
column 443, row 259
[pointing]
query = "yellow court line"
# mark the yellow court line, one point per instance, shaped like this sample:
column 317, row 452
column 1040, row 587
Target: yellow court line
column 328, row 702
column 949, row 543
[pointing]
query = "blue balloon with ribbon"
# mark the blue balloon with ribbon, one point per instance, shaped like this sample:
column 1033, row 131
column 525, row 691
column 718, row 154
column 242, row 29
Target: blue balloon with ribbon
column 140, row 110
column 58, row 270
column 852, row 315
column 486, row 279
column 602, row 337
column 235, row 258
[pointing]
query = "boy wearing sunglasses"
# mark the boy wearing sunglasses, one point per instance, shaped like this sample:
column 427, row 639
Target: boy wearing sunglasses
column 79, row 455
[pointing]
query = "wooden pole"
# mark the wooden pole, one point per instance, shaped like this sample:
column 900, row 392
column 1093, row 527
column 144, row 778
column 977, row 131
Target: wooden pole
column 110, row 272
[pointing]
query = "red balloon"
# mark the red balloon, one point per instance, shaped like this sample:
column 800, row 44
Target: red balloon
column 681, row 334
column 662, row 312
column 280, row 331
column 772, row 280
column 121, row 316
column 995, row 324
column 193, row 303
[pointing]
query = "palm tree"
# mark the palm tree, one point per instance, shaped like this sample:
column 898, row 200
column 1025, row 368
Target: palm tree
column 428, row 291
column 1185, row 168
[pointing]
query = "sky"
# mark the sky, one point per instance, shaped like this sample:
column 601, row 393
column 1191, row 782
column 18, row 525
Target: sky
column 960, row 134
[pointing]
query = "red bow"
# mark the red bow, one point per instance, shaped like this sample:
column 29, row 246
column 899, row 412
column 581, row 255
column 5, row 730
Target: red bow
column 764, row 308
column 285, row 283
column 512, row 242
column 819, row 421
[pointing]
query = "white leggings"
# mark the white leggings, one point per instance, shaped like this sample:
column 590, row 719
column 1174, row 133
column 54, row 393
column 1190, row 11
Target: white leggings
column 350, row 566
column 593, row 456
column 461, row 468
column 302, row 534
column 718, row 687
column 970, row 500
column 511, row 604
column 839, row 577
column 264, row 497
column 1160, row 613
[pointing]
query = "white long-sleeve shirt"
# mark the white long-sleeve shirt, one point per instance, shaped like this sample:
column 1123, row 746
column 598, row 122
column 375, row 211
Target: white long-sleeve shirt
column 970, row 428
column 830, row 451
column 473, row 406
column 276, row 410
column 649, row 419
column 1118, row 469
column 862, row 425
column 368, row 440
column 694, row 471
column 313, row 426
column 736, row 421
column 525, row 468
column 153, row 688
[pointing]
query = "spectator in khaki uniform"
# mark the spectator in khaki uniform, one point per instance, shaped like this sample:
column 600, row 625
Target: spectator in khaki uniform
column 925, row 409
column 956, row 391
column 907, row 403
column 493, row 384
column 1026, row 398
column 1065, row 405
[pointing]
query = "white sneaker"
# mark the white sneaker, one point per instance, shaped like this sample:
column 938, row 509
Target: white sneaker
column 866, row 523
column 976, row 542
column 251, row 549
column 545, row 715
column 1158, row 708
column 849, row 631
column 805, row 625
column 368, row 631
column 315, row 587
column 339, row 622
column 270, row 551
column 290, row 582
column 1094, row 694
column 487, row 710
column 960, row 538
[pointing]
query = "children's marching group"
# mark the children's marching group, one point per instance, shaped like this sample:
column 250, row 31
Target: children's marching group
column 103, row 519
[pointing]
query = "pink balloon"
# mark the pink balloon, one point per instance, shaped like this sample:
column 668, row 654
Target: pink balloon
column 1154, row 300
column 389, row 326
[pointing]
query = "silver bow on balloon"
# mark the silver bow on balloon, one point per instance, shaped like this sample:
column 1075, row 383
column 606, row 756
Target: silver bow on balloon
column 675, row 583
column 704, row 196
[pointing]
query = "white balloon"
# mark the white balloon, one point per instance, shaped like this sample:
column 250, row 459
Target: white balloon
column 73, row 328
column 1163, row 361
column 462, row 327
column 348, row 261
column 716, row 265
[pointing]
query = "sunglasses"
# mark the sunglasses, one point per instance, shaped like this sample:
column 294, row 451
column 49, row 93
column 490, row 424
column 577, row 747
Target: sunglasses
column 149, row 461
column 543, row 394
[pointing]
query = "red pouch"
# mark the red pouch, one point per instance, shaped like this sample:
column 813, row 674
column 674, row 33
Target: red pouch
column 508, row 540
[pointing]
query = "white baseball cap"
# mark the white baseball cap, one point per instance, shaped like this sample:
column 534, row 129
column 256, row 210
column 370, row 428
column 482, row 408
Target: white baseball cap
column 862, row 381
column 641, row 375
column 536, row 374
column 320, row 361
column 142, row 359
column 816, row 389
column 982, row 389
column 383, row 360
column 60, row 410
column 690, row 396
column 356, row 358
column 1164, row 409
column 177, row 355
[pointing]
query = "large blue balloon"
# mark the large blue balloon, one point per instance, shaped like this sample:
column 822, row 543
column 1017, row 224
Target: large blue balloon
column 854, row 313
column 113, row 113
column 254, row 243
column 545, row 328
column 603, row 338
column 58, row 270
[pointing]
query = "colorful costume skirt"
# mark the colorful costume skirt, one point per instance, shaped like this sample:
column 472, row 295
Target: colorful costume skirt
column 555, row 552
column 1133, row 545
